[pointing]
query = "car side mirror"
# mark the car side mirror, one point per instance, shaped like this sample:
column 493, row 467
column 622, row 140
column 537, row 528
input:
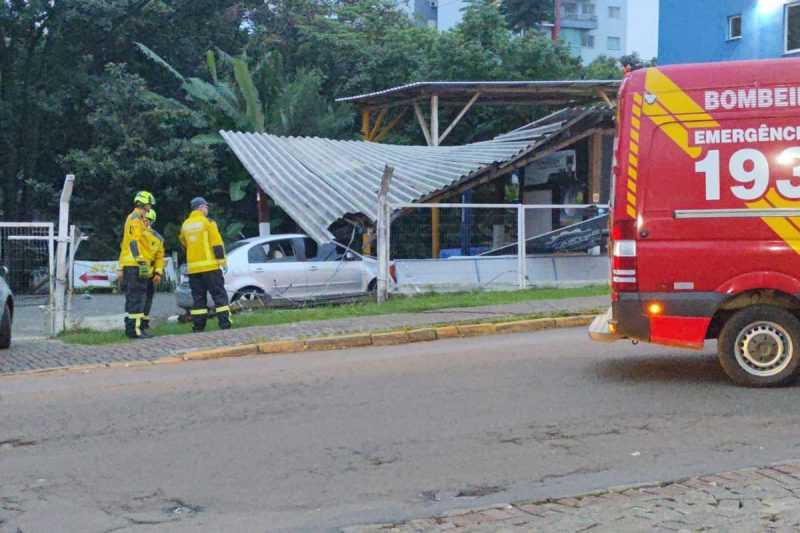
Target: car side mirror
column 349, row 256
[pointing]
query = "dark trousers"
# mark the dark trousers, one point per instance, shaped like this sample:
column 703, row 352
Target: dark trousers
column 148, row 303
column 135, row 290
column 209, row 282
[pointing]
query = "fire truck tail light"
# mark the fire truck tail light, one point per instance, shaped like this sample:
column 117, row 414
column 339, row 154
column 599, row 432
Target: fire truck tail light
column 624, row 248
column 623, row 260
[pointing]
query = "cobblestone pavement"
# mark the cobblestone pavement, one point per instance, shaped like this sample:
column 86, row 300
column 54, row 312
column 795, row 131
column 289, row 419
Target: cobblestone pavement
column 53, row 354
column 752, row 499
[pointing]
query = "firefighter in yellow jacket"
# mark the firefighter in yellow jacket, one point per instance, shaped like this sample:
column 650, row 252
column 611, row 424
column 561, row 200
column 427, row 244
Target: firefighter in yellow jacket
column 156, row 266
column 205, row 256
column 135, row 258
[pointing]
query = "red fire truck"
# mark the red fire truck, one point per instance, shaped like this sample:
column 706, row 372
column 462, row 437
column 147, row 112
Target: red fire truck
column 705, row 225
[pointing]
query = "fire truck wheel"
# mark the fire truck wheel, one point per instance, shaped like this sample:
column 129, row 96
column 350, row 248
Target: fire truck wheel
column 759, row 346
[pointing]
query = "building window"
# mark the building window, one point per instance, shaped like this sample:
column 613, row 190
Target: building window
column 792, row 29
column 587, row 40
column 570, row 8
column 588, row 9
column 734, row 27
column 614, row 12
column 613, row 43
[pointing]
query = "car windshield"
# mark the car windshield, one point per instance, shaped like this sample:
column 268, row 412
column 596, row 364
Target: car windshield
column 235, row 245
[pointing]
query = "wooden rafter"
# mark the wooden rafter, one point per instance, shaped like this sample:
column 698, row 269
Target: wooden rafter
column 423, row 123
column 390, row 126
column 605, row 97
column 373, row 132
column 459, row 117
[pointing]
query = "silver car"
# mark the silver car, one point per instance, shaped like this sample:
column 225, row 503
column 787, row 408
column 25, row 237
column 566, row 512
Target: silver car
column 7, row 299
column 290, row 268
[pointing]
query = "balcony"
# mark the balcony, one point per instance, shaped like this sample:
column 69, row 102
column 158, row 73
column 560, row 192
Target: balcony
column 578, row 21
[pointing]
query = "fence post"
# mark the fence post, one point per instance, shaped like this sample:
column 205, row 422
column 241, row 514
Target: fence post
column 76, row 237
column 521, row 277
column 383, row 234
column 61, row 260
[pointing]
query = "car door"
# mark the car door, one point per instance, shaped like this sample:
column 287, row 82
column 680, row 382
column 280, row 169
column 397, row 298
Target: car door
column 328, row 273
column 275, row 265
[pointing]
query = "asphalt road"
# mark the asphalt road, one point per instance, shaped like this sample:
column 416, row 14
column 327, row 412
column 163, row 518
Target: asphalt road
column 31, row 316
column 327, row 439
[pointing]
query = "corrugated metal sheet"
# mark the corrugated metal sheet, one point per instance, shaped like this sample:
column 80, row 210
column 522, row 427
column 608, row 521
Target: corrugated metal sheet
column 563, row 91
column 318, row 181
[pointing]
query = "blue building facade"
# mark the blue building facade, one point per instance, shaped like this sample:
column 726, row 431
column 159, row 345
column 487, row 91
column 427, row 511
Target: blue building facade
column 698, row 31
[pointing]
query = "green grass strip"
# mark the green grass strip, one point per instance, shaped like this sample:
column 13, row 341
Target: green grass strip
column 396, row 304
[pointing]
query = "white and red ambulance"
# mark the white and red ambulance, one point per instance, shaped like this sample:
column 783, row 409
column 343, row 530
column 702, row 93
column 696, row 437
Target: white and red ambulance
column 705, row 224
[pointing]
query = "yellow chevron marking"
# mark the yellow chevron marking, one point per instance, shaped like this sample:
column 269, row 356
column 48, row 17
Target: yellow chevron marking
column 635, row 123
column 776, row 200
column 635, row 136
column 631, row 199
column 635, row 148
column 631, row 211
column 781, row 226
column 633, row 160
column 674, row 111
column 671, row 96
column 637, row 110
column 632, row 186
column 637, row 97
column 632, row 173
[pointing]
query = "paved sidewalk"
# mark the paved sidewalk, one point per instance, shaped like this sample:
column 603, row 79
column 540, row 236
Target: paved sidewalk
column 53, row 354
column 752, row 499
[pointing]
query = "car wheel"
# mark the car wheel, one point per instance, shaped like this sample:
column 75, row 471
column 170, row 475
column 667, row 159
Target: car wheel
column 246, row 294
column 373, row 285
column 5, row 328
column 758, row 346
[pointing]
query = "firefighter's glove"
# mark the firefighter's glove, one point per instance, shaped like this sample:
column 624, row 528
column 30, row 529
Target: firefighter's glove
column 156, row 279
column 144, row 271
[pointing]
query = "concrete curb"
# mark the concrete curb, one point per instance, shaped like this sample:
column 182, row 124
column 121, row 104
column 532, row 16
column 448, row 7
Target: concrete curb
column 389, row 338
column 340, row 342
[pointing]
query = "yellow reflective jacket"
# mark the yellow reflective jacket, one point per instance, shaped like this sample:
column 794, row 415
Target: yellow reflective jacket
column 135, row 246
column 204, row 249
column 157, row 246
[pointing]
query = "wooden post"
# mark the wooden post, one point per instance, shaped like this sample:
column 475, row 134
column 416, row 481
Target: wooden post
column 61, row 255
column 365, row 124
column 557, row 24
column 435, row 242
column 383, row 234
column 366, row 241
column 262, row 202
column 595, row 167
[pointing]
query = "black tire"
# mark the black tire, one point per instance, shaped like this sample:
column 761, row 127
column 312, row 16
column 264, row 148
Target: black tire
column 5, row 328
column 246, row 293
column 759, row 346
column 373, row 285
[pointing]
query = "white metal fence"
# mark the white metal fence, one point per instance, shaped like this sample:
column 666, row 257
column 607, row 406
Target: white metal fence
column 444, row 247
column 27, row 250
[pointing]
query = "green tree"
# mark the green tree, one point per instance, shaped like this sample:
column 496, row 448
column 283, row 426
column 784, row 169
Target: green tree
column 526, row 14
column 51, row 55
column 603, row 68
column 139, row 141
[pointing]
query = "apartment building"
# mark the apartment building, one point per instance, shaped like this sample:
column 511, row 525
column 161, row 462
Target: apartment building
column 695, row 31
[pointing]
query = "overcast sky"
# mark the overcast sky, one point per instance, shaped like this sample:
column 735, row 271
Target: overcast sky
column 643, row 28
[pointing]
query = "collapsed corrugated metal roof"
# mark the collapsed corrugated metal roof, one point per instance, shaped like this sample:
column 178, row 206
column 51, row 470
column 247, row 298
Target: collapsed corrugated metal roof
column 319, row 181
column 550, row 92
